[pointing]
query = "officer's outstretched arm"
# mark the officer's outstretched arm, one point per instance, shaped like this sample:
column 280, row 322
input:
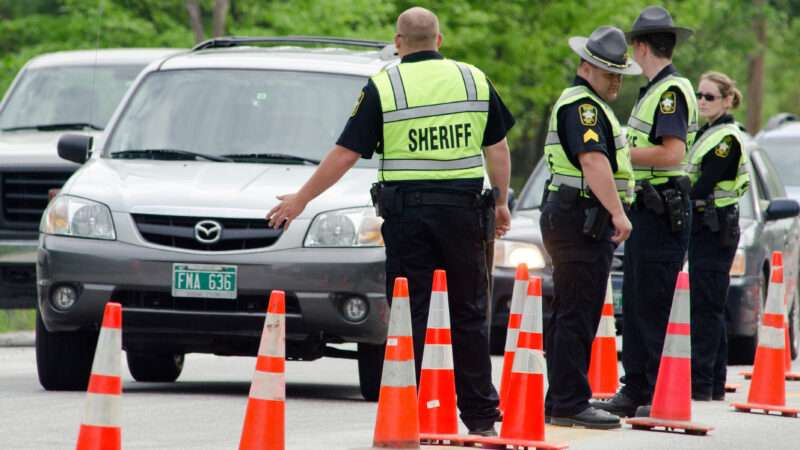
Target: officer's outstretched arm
column 336, row 163
column 597, row 172
column 670, row 153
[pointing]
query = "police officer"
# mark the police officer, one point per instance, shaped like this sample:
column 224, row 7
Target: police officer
column 660, row 129
column 583, row 219
column 429, row 118
column 717, row 165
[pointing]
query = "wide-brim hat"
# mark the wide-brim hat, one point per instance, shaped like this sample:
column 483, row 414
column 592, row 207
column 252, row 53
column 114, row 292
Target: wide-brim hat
column 655, row 19
column 605, row 48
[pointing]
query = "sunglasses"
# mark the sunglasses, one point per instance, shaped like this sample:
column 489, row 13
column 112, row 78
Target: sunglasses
column 708, row 97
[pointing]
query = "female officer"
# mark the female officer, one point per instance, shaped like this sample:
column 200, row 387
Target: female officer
column 717, row 166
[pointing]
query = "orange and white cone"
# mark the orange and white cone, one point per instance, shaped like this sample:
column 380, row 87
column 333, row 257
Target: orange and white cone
column 264, row 419
column 397, row 421
column 603, row 374
column 523, row 420
column 672, row 404
column 101, row 427
column 768, row 388
column 788, row 292
column 437, row 385
column 514, row 319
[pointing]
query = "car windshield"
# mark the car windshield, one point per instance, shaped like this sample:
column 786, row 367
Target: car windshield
column 243, row 115
column 66, row 97
column 534, row 190
column 786, row 152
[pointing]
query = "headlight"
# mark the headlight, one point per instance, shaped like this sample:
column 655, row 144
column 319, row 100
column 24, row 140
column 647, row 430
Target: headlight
column 78, row 217
column 739, row 266
column 509, row 254
column 356, row 227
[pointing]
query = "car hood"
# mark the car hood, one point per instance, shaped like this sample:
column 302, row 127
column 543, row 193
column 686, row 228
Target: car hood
column 525, row 227
column 209, row 188
column 30, row 147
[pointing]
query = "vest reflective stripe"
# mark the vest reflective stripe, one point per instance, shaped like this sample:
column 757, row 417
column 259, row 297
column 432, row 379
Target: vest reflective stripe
column 437, row 357
column 434, row 117
column 678, row 346
column 398, row 374
column 431, row 164
column 435, row 110
column 770, row 337
column 640, row 124
column 726, row 192
column 563, row 171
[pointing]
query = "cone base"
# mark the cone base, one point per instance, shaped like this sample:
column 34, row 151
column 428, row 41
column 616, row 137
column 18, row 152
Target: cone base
column 467, row 441
column 264, row 425
column 732, row 387
column 603, row 395
column 792, row 376
column 750, row 407
column 92, row 437
column 650, row 424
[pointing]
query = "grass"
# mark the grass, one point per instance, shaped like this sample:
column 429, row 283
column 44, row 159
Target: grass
column 17, row 319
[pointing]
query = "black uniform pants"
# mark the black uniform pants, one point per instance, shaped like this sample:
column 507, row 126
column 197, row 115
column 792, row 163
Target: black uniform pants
column 421, row 239
column 581, row 268
column 653, row 258
column 709, row 277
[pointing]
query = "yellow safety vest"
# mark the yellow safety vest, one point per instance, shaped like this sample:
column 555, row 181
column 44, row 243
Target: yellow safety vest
column 434, row 117
column 564, row 173
column 726, row 192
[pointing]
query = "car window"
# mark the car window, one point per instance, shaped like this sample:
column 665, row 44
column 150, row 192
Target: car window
column 786, row 153
column 231, row 111
column 769, row 175
column 533, row 191
column 57, row 95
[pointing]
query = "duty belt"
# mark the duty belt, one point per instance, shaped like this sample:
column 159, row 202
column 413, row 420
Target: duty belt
column 465, row 200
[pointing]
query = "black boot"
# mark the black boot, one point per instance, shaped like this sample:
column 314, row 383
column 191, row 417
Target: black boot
column 589, row 418
column 620, row 405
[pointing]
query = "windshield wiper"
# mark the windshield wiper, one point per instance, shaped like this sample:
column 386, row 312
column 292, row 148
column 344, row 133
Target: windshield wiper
column 258, row 157
column 166, row 153
column 57, row 126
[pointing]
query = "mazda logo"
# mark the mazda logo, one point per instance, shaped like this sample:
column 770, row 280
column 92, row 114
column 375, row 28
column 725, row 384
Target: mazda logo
column 208, row 231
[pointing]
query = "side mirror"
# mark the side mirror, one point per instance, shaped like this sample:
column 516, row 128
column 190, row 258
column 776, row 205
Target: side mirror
column 75, row 147
column 782, row 208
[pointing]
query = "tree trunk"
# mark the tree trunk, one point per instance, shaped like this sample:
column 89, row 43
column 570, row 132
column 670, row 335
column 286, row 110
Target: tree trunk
column 196, row 19
column 755, row 88
column 220, row 14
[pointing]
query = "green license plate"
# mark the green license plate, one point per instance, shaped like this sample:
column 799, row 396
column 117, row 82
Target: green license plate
column 204, row 281
column 617, row 301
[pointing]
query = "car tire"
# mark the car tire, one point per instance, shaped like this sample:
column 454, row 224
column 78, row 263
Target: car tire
column 794, row 327
column 370, row 366
column 63, row 359
column 155, row 368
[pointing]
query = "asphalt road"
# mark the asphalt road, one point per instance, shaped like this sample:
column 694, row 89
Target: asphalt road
column 205, row 408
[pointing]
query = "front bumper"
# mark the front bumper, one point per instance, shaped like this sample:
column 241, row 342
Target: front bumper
column 315, row 281
column 18, row 273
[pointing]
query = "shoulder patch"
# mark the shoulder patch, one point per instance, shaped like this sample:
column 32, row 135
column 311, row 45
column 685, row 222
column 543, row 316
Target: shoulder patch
column 667, row 102
column 724, row 148
column 588, row 114
column 358, row 104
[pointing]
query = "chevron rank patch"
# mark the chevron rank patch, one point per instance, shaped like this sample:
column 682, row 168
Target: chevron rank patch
column 588, row 114
column 724, row 148
column 667, row 102
column 590, row 135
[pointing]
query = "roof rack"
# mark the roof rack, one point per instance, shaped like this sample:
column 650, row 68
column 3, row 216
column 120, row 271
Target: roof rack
column 233, row 41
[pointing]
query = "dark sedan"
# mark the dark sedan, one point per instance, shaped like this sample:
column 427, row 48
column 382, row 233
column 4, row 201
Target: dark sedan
column 768, row 222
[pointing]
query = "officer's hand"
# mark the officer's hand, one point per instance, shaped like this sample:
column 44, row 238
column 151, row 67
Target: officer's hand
column 291, row 206
column 622, row 227
column 502, row 220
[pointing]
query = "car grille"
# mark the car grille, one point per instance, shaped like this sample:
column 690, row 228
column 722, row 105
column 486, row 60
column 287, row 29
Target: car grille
column 162, row 300
column 178, row 232
column 25, row 196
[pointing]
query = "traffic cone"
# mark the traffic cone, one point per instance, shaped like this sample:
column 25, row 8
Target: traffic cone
column 101, row 426
column 603, row 375
column 437, row 385
column 264, row 418
column 672, row 405
column 768, row 388
column 523, row 420
column 397, row 421
column 514, row 319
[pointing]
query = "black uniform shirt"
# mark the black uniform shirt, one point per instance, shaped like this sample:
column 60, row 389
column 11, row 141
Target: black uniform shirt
column 720, row 163
column 583, row 127
column 363, row 132
column 672, row 115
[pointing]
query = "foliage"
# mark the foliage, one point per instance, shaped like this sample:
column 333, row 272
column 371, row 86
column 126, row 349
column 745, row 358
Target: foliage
column 520, row 44
column 17, row 319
